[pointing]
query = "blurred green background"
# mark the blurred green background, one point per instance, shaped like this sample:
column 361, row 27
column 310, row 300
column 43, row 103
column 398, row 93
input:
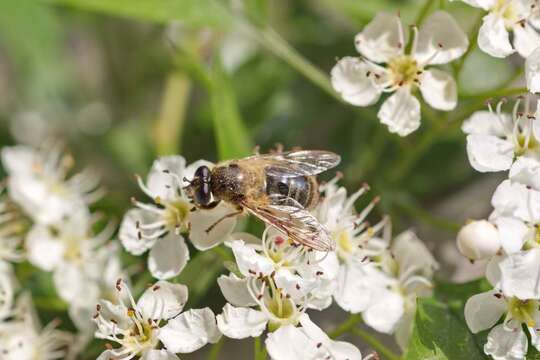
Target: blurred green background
column 122, row 82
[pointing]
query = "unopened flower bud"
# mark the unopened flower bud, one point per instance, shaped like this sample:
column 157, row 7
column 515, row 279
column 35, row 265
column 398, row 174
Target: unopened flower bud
column 478, row 240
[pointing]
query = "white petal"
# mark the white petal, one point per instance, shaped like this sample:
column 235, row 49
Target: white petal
column 536, row 124
column 338, row 350
column 355, row 282
column 493, row 271
column 291, row 343
column 532, row 73
column 249, row 261
column 506, row 344
column 512, row 232
column 18, row 159
column 44, row 250
column 478, row 240
column 201, row 220
column 533, row 331
column 482, row 4
column 489, row 153
column 168, row 256
column 485, row 123
column 411, row 252
column 507, row 198
column 493, row 38
column 235, row 290
column 526, row 170
column 482, row 311
column 161, row 182
column 154, row 354
column 441, row 35
column 382, row 39
column 241, row 322
column 163, row 300
column 74, row 286
column 190, row 331
column 526, row 39
column 439, row 89
column 401, row 112
column 129, row 234
column 520, row 274
column 385, row 313
column 350, row 80
column 293, row 285
column 405, row 328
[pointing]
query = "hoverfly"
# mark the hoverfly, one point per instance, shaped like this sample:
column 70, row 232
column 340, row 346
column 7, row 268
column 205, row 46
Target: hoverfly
column 278, row 188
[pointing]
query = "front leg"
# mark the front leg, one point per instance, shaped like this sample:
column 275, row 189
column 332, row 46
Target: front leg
column 239, row 211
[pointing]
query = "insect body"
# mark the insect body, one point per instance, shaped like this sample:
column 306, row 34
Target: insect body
column 277, row 188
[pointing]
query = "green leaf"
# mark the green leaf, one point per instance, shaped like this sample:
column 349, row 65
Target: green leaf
column 440, row 334
column 195, row 13
column 232, row 137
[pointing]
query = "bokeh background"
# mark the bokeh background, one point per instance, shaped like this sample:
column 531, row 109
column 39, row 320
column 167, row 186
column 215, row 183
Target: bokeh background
column 122, row 82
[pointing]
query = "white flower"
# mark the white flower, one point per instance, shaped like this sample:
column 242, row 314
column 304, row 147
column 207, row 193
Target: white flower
column 308, row 342
column 520, row 274
column 157, row 227
column 532, row 72
column 8, row 286
column 23, row 338
column 139, row 327
column 507, row 17
column 506, row 341
column 478, row 240
column 39, row 183
column 13, row 226
column 495, row 139
column 361, row 81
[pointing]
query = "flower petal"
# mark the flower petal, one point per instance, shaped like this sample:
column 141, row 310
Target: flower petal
column 235, row 290
column 493, row 38
column 532, row 74
column 441, row 35
column 482, row 4
column 526, row 39
column 202, row 219
column 385, row 313
column 411, row 253
column 168, row 256
column 512, row 232
column 163, row 300
column 250, row 263
column 241, row 322
column 520, row 274
column 486, row 123
column 482, row 311
column 439, row 89
column 44, row 250
column 382, row 39
column 18, row 159
column 350, row 80
column 190, row 331
column 505, row 344
column 155, row 354
column 162, row 181
column 489, row 153
column 526, row 170
column 129, row 232
column 291, row 343
column 401, row 112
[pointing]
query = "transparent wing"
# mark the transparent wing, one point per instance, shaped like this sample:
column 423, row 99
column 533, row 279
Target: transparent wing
column 287, row 215
column 296, row 163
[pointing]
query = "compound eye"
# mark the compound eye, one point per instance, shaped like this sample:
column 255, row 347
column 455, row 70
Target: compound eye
column 203, row 173
column 202, row 194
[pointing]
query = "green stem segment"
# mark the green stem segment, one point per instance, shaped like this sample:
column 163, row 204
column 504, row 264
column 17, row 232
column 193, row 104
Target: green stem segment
column 424, row 11
column 376, row 344
column 346, row 326
column 216, row 348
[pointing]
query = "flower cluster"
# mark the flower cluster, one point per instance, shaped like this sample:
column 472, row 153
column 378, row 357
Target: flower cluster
column 509, row 239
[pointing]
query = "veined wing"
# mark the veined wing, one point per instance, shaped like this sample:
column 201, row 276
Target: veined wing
column 287, row 215
column 296, row 163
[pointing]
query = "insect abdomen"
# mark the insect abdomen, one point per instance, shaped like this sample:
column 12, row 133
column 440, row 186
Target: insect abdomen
column 303, row 189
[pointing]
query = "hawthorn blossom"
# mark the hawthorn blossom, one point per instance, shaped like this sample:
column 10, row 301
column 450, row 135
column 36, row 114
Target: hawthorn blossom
column 157, row 317
column 308, row 342
column 505, row 341
column 532, row 71
column 361, row 81
column 8, row 286
column 496, row 139
column 507, row 19
column 478, row 240
column 157, row 227
column 39, row 183
column 13, row 227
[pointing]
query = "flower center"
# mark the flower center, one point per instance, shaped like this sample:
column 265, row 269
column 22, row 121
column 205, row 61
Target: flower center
column 523, row 310
column 525, row 143
column 507, row 11
column 404, row 70
column 284, row 312
column 141, row 336
column 176, row 213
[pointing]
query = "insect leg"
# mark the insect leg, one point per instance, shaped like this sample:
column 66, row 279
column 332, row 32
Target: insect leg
column 233, row 214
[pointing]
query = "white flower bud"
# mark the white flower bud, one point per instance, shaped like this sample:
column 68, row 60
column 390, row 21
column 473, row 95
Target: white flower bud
column 478, row 240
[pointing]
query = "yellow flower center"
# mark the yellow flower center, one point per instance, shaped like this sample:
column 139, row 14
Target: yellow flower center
column 506, row 10
column 523, row 310
column 404, row 70
column 177, row 212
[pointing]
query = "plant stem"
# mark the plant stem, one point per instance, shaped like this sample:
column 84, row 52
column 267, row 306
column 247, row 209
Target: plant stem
column 271, row 40
column 376, row 344
column 346, row 326
column 423, row 12
column 472, row 45
column 259, row 353
column 216, row 348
